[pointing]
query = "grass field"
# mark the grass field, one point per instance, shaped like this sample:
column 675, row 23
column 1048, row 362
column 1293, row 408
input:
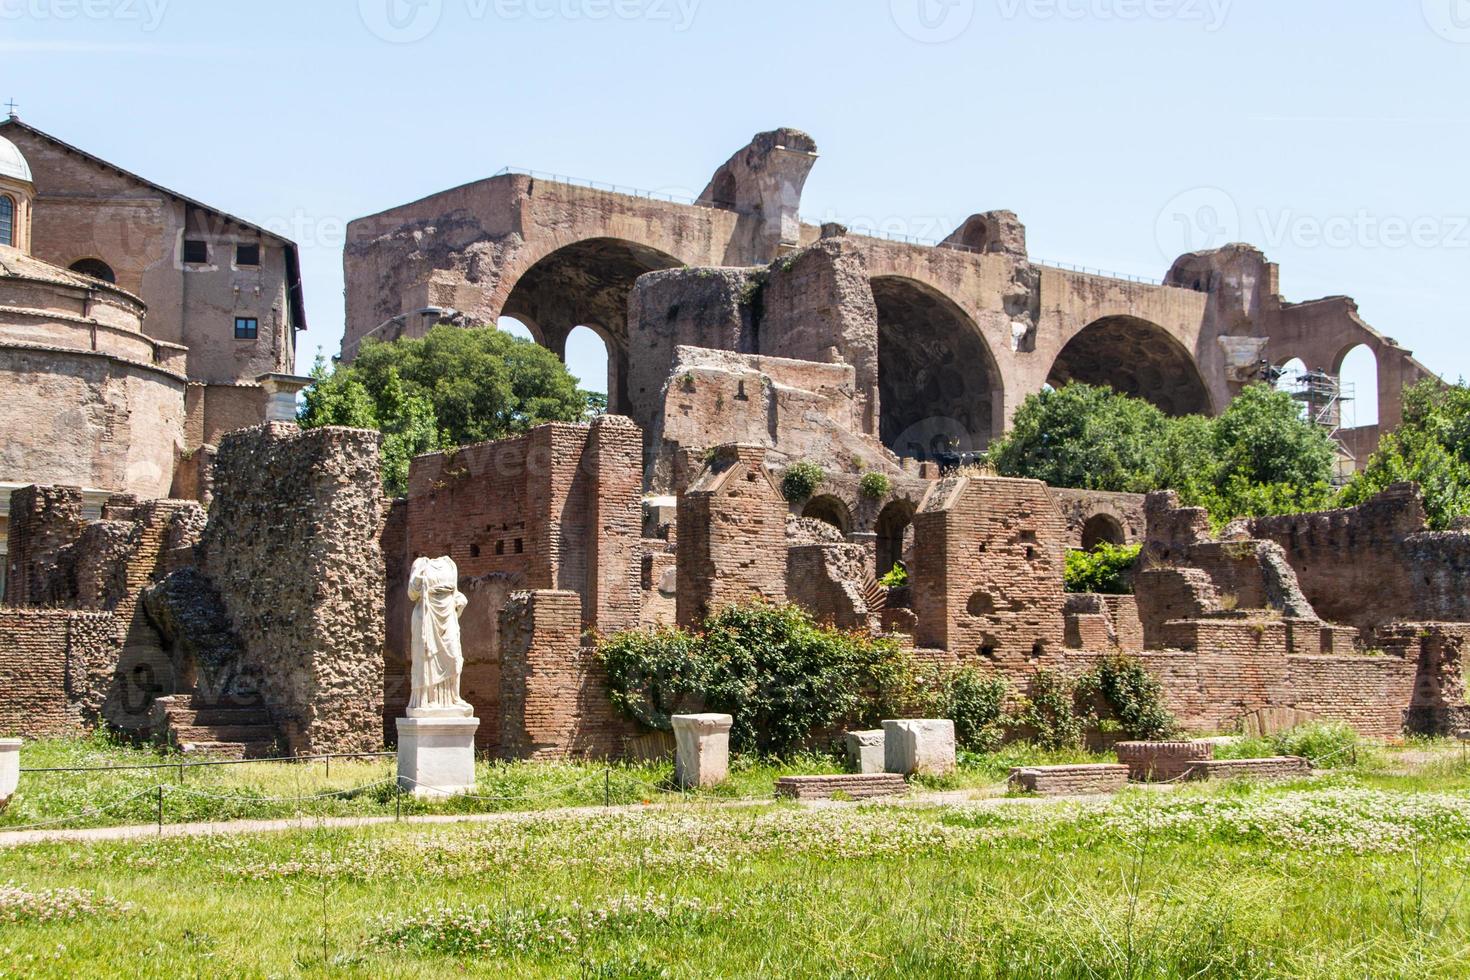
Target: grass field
column 1360, row 873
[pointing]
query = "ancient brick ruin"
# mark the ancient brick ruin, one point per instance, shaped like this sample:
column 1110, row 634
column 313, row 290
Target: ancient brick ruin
column 742, row 341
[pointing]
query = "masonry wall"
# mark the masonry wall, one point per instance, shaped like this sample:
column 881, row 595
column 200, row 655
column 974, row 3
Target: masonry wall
column 732, row 536
column 293, row 548
column 1371, row 565
column 52, row 664
column 989, row 555
column 828, row 581
column 554, row 695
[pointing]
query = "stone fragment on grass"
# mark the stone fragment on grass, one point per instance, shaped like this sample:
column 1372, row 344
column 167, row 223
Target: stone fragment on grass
column 865, row 751
column 919, row 746
column 703, row 749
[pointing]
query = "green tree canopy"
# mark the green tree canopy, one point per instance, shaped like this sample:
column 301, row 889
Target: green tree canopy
column 1430, row 448
column 1260, row 457
column 453, row 387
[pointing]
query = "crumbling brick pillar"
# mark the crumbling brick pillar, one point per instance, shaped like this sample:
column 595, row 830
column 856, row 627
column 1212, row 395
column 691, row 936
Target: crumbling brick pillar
column 732, row 535
column 614, row 457
column 553, row 691
column 43, row 521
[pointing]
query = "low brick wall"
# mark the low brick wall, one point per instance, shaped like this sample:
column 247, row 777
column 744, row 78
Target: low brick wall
column 1080, row 780
column 1162, row 762
column 853, row 785
column 1281, row 767
column 55, row 665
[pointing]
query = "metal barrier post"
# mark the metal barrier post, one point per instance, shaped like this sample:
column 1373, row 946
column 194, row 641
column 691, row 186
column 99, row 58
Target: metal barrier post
column 607, row 787
column 160, row 809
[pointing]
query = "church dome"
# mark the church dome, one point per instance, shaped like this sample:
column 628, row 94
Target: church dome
column 13, row 162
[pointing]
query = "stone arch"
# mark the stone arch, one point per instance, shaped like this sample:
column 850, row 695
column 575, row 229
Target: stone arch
column 829, row 509
column 894, row 530
column 95, row 268
column 586, row 284
column 1357, row 370
column 1102, row 528
column 588, row 353
column 939, row 385
column 1135, row 357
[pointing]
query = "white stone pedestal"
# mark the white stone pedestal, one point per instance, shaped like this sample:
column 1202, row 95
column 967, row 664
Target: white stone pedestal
column 865, row 751
column 9, row 769
column 703, row 757
column 924, row 745
column 436, row 756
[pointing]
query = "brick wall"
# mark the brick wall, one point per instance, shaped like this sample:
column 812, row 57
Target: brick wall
column 987, row 577
column 1371, row 565
column 732, row 536
column 293, row 548
column 827, row 580
column 553, row 692
column 557, row 508
column 43, row 521
column 52, row 661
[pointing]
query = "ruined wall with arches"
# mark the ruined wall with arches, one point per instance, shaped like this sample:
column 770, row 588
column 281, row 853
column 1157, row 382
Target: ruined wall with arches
column 944, row 341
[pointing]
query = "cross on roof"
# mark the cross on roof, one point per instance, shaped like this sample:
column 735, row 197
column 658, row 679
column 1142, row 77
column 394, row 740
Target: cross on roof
column 10, row 107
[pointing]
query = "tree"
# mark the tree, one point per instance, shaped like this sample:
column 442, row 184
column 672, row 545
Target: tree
column 1431, row 448
column 451, row 388
column 1260, row 457
column 1086, row 437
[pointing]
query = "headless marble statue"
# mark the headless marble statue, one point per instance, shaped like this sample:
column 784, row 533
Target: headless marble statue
column 437, row 657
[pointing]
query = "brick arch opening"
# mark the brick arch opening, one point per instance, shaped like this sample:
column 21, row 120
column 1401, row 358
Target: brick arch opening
column 829, row 510
column 1134, row 357
column 938, row 382
column 894, row 529
column 1357, row 373
column 1102, row 529
column 587, row 284
column 95, row 268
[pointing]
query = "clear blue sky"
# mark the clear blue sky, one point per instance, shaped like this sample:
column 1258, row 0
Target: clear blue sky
column 1333, row 135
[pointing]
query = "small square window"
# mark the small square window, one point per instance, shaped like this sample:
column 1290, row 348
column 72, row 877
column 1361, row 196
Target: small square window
column 246, row 328
column 196, row 252
column 247, row 254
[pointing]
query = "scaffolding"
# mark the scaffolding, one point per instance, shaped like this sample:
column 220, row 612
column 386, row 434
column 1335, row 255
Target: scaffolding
column 1327, row 402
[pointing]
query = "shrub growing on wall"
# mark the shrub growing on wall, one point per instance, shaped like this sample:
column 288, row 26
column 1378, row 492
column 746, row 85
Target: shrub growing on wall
column 1106, row 569
column 976, row 703
column 781, row 676
column 1135, row 697
column 875, row 485
column 801, row 481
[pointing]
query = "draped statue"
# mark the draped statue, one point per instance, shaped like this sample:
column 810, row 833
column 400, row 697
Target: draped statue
column 437, row 657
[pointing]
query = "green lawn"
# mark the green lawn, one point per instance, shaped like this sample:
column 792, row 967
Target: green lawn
column 1330, row 878
column 1359, row 873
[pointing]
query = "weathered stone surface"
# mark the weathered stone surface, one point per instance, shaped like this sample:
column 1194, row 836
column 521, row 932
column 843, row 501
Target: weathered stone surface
column 703, row 753
column 292, row 548
column 436, row 756
column 865, row 753
column 9, row 769
column 919, row 747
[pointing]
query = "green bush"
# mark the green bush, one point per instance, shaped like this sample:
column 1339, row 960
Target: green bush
column 1107, row 569
column 976, row 703
column 781, row 676
column 896, row 577
column 1133, row 695
column 1049, row 710
column 875, row 485
column 801, row 481
column 1326, row 745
